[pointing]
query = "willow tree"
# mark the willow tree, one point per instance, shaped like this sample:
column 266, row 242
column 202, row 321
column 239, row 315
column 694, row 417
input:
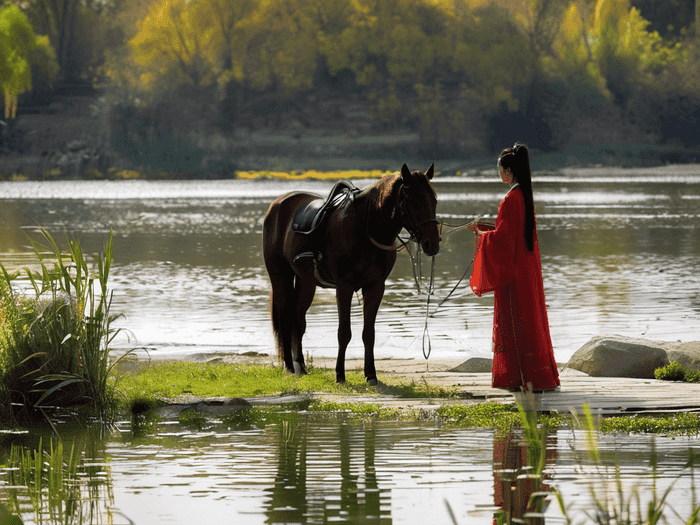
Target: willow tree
column 20, row 49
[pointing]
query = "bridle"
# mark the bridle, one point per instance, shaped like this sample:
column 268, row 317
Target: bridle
column 409, row 222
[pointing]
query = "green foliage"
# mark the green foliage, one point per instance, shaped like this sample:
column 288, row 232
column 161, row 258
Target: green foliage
column 362, row 410
column 20, row 49
column 481, row 415
column 190, row 418
column 673, row 371
column 155, row 138
column 55, row 342
column 465, row 75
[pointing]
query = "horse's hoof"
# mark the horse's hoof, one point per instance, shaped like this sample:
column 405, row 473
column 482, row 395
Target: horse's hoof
column 372, row 382
column 340, row 380
column 299, row 369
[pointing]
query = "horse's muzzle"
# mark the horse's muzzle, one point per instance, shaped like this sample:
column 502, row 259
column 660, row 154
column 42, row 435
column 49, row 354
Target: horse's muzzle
column 428, row 237
column 430, row 246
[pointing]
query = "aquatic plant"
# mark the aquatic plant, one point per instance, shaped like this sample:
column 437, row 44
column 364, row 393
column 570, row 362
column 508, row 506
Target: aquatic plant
column 55, row 486
column 54, row 340
column 616, row 505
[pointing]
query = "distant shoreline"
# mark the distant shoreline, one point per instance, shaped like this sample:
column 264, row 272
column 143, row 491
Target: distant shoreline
column 74, row 153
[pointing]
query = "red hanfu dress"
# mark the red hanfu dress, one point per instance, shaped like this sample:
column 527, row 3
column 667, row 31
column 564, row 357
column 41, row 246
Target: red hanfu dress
column 522, row 346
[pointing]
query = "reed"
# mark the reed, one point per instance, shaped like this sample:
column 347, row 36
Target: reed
column 55, row 337
column 52, row 484
column 527, row 489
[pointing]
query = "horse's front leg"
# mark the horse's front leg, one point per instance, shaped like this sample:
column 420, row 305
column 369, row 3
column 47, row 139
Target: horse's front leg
column 372, row 297
column 343, row 298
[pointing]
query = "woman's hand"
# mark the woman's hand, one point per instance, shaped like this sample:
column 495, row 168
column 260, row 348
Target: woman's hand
column 473, row 227
column 477, row 234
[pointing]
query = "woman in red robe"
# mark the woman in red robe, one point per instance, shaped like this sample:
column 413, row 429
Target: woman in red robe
column 507, row 262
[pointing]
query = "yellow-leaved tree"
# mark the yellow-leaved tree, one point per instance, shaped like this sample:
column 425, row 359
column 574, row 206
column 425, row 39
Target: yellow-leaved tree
column 176, row 39
column 20, row 49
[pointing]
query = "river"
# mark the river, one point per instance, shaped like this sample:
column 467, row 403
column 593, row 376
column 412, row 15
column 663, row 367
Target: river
column 620, row 255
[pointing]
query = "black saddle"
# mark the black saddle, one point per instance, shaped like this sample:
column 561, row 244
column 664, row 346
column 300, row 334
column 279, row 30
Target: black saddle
column 311, row 217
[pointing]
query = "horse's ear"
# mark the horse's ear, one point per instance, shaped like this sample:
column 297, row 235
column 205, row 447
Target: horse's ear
column 405, row 175
column 430, row 172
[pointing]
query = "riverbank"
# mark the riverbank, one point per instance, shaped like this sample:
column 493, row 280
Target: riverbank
column 449, row 382
column 72, row 141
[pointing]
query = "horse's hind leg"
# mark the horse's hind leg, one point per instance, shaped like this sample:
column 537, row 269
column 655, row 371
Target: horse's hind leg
column 282, row 310
column 304, row 292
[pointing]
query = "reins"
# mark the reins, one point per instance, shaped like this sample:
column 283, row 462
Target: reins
column 426, row 334
column 407, row 222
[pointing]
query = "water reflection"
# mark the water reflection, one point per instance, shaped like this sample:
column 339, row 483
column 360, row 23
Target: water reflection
column 359, row 499
column 303, row 468
column 520, row 490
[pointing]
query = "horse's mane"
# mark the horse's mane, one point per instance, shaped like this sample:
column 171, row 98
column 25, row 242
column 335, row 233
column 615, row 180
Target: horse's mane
column 387, row 188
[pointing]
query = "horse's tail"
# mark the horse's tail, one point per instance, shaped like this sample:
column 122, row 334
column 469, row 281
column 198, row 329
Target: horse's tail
column 277, row 311
column 281, row 280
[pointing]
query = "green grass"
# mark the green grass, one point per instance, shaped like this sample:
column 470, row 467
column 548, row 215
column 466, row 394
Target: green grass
column 151, row 387
column 671, row 424
column 175, row 378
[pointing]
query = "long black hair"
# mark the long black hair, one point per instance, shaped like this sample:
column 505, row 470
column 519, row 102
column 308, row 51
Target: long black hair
column 517, row 159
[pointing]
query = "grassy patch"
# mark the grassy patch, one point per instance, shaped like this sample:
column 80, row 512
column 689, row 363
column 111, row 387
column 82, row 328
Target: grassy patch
column 491, row 415
column 672, row 424
column 172, row 379
column 362, row 410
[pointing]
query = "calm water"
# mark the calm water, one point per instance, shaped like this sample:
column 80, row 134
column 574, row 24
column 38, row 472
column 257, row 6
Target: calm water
column 620, row 254
column 301, row 469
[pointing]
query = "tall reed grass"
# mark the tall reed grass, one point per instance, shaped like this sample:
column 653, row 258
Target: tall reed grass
column 55, row 332
column 53, row 485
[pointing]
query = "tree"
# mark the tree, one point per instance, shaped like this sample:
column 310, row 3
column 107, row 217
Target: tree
column 20, row 48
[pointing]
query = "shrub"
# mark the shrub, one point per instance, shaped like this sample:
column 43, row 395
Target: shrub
column 673, row 371
column 54, row 344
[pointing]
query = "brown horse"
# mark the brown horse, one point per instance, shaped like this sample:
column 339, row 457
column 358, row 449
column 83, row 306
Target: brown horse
column 353, row 249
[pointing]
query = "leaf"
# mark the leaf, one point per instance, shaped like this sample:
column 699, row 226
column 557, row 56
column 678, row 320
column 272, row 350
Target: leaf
column 56, row 388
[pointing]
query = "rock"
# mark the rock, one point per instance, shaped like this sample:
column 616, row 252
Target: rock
column 474, row 365
column 620, row 356
column 687, row 354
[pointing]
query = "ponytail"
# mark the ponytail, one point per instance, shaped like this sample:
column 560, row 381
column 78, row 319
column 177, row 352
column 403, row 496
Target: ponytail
column 517, row 159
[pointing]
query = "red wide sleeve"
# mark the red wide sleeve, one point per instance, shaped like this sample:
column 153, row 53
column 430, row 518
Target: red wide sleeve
column 494, row 261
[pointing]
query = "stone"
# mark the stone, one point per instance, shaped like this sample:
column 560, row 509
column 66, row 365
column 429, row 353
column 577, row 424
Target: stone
column 474, row 365
column 687, row 354
column 620, row 356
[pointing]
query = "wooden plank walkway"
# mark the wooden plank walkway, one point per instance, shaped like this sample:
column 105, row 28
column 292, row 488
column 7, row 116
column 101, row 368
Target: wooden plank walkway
column 604, row 395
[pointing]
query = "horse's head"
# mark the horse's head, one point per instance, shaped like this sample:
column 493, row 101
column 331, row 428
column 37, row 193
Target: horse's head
column 418, row 203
